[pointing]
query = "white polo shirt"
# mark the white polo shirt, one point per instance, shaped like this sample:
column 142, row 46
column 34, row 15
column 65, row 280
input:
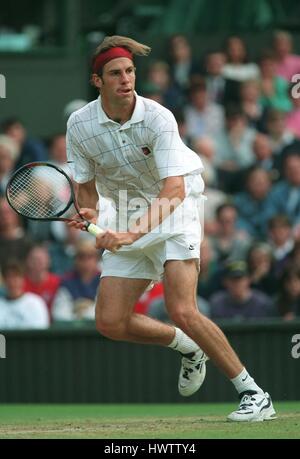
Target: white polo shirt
column 132, row 158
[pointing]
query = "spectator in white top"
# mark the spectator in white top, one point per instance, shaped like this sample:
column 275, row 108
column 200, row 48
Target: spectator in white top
column 202, row 116
column 19, row 310
column 237, row 67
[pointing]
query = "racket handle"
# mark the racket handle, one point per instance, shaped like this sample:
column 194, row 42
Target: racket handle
column 94, row 229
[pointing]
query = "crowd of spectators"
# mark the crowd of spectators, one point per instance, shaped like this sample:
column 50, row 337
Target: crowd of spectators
column 243, row 119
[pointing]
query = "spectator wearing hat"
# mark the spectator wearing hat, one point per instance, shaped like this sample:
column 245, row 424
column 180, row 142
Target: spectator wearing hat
column 239, row 301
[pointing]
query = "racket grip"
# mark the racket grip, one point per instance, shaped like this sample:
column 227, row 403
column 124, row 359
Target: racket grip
column 94, row 229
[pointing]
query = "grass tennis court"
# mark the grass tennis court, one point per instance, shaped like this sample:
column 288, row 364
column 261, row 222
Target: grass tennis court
column 142, row 421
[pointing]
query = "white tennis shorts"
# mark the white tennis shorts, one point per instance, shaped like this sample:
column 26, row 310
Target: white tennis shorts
column 145, row 259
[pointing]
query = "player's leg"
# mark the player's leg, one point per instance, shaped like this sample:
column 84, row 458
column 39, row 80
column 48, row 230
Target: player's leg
column 116, row 320
column 182, row 307
column 183, row 310
column 118, row 295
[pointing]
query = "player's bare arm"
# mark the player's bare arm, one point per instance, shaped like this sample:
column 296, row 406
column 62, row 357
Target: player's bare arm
column 87, row 199
column 170, row 197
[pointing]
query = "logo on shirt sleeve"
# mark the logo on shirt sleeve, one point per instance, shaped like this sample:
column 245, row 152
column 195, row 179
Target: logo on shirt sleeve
column 146, row 151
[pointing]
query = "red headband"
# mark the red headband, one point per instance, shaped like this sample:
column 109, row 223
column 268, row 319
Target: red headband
column 108, row 55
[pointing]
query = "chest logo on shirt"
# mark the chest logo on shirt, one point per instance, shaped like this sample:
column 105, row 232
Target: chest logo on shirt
column 146, row 151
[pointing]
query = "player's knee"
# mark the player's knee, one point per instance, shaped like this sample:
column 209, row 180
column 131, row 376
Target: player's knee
column 112, row 330
column 183, row 317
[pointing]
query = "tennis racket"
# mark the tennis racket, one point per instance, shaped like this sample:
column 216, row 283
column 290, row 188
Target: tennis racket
column 43, row 191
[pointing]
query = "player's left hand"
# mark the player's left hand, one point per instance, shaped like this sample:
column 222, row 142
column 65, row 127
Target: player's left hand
column 112, row 240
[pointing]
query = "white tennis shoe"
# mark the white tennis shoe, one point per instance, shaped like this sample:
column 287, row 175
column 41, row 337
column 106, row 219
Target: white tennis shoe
column 254, row 407
column 192, row 373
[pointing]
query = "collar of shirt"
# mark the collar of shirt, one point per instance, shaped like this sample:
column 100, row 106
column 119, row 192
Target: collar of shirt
column 137, row 115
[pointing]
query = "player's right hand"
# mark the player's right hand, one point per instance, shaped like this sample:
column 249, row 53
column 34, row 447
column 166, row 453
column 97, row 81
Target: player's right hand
column 85, row 213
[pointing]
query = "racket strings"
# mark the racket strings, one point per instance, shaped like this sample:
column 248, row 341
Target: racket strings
column 39, row 192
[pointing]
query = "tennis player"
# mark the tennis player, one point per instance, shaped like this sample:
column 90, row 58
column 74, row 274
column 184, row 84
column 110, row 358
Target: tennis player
column 127, row 148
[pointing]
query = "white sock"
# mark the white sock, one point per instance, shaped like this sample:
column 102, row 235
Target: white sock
column 243, row 382
column 182, row 343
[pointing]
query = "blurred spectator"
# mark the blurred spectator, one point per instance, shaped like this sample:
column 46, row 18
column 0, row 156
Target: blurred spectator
column 58, row 150
column 19, row 310
column 159, row 77
column 215, row 81
column 182, row 127
column 285, row 195
column 264, row 157
column 14, row 244
column 215, row 198
column 288, row 64
column 237, row 66
column 234, row 149
column 294, row 255
column 288, row 301
column 281, row 241
column 260, row 268
column 30, row 149
column 202, row 116
column 62, row 250
column 153, row 92
column 274, row 89
column 9, row 153
column 276, row 129
column 255, row 205
column 229, row 243
column 75, row 299
column 38, row 278
column 250, row 102
column 181, row 61
column 209, row 280
column 205, row 148
column 293, row 117
column 239, row 301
